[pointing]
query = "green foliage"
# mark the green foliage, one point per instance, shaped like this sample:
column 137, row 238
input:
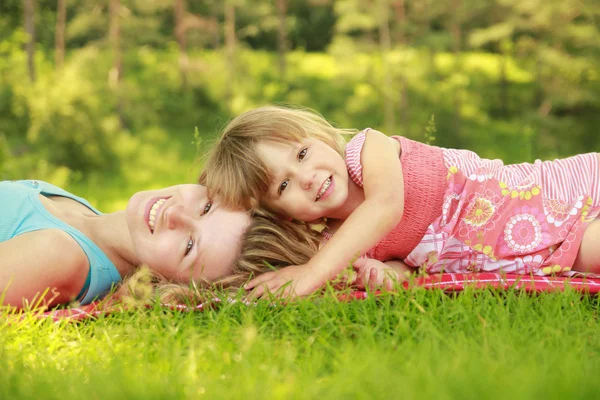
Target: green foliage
column 430, row 130
column 515, row 80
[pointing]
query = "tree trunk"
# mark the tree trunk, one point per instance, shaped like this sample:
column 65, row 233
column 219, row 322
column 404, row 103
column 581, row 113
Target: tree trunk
column 216, row 32
column 115, row 74
column 282, row 36
column 61, row 22
column 456, row 31
column 30, row 29
column 387, row 81
column 503, row 84
column 400, row 8
column 180, row 34
column 230, row 40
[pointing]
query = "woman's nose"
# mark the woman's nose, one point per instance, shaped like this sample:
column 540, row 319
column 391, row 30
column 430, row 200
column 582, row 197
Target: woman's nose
column 177, row 217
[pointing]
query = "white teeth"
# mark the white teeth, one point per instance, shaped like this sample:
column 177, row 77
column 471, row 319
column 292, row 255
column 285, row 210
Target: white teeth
column 324, row 188
column 152, row 215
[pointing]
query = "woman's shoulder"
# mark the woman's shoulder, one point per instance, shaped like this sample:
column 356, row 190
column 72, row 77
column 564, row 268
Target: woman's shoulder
column 36, row 261
column 51, row 247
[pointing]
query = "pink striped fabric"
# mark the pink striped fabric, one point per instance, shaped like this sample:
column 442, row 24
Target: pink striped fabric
column 352, row 153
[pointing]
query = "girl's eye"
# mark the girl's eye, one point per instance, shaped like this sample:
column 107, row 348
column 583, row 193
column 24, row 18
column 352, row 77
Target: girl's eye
column 283, row 185
column 302, row 154
column 207, row 208
column 190, row 246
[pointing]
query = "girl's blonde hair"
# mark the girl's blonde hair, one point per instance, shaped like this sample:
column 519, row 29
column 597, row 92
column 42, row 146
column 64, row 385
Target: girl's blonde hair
column 234, row 169
column 268, row 243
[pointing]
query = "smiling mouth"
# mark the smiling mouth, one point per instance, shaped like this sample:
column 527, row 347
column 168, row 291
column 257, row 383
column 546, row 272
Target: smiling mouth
column 152, row 214
column 324, row 188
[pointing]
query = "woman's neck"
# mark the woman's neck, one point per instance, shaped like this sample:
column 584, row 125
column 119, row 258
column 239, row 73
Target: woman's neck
column 108, row 231
column 111, row 234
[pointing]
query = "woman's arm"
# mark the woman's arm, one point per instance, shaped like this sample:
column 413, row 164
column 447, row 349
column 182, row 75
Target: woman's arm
column 380, row 212
column 48, row 261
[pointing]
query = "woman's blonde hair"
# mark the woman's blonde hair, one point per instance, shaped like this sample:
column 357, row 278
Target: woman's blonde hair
column 234, row 169
column 267, row 244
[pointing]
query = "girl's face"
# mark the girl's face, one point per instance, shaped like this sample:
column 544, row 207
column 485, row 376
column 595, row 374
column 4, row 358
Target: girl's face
column 310, row 179
column 179, row 233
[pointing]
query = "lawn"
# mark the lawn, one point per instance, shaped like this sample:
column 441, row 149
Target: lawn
column 415, row 344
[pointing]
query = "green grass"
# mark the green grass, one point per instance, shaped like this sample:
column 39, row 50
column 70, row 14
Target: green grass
column 416, row 344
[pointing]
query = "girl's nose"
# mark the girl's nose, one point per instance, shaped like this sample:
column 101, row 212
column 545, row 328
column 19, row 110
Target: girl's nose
column 306, row 179
column 177, row 217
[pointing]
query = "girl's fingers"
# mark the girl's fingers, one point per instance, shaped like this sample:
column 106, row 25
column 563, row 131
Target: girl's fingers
column 364, row 278
column 387, row 284
column 373, row 279
column 359, row 263
column 286, row 293
column 358, row 279
column 259, row 280
column 257, row 293
column 274, row 287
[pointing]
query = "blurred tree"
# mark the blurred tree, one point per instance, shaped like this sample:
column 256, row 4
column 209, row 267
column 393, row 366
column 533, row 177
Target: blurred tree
column 455, row 21
column 312, row 24
column 387, row 84
column 61, row 20
column 558, row 41
column 401, row 40
column 30, row 29
column 356, row 21
column 180, row 33
column 116, row 71
column 230, row 41
column 281, row 36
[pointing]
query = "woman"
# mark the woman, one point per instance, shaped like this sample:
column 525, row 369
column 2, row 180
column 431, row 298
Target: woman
column 56, row 248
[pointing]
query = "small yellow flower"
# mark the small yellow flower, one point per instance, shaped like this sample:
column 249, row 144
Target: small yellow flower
column 451, row 171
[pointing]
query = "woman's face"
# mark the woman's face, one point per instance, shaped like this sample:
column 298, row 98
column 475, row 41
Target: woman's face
column 179, row 233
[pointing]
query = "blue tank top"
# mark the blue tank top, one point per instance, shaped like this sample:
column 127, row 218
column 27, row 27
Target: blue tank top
column 21, row 211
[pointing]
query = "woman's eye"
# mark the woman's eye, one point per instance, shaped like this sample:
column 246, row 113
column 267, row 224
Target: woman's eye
column 207, row 208
column 283, row 185
column 302, row 154
column 190, row 246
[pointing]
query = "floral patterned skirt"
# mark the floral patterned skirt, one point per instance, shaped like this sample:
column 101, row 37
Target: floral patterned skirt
column 521, row 218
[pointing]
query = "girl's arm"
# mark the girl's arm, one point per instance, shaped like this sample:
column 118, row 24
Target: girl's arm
column 48, row 261
column 381, row 211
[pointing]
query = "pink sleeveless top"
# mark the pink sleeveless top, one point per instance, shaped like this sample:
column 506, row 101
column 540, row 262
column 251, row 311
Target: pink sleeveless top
column 424, row 175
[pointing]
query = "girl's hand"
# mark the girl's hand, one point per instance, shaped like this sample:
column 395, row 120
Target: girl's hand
column 292, row 281
column 374, row 274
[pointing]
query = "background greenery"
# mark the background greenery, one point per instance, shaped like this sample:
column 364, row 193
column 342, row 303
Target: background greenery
column 514, row 79
column 114, row 107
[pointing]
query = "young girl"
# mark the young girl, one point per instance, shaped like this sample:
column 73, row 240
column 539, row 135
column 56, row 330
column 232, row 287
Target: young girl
column 51, row 239
column 391, row 198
